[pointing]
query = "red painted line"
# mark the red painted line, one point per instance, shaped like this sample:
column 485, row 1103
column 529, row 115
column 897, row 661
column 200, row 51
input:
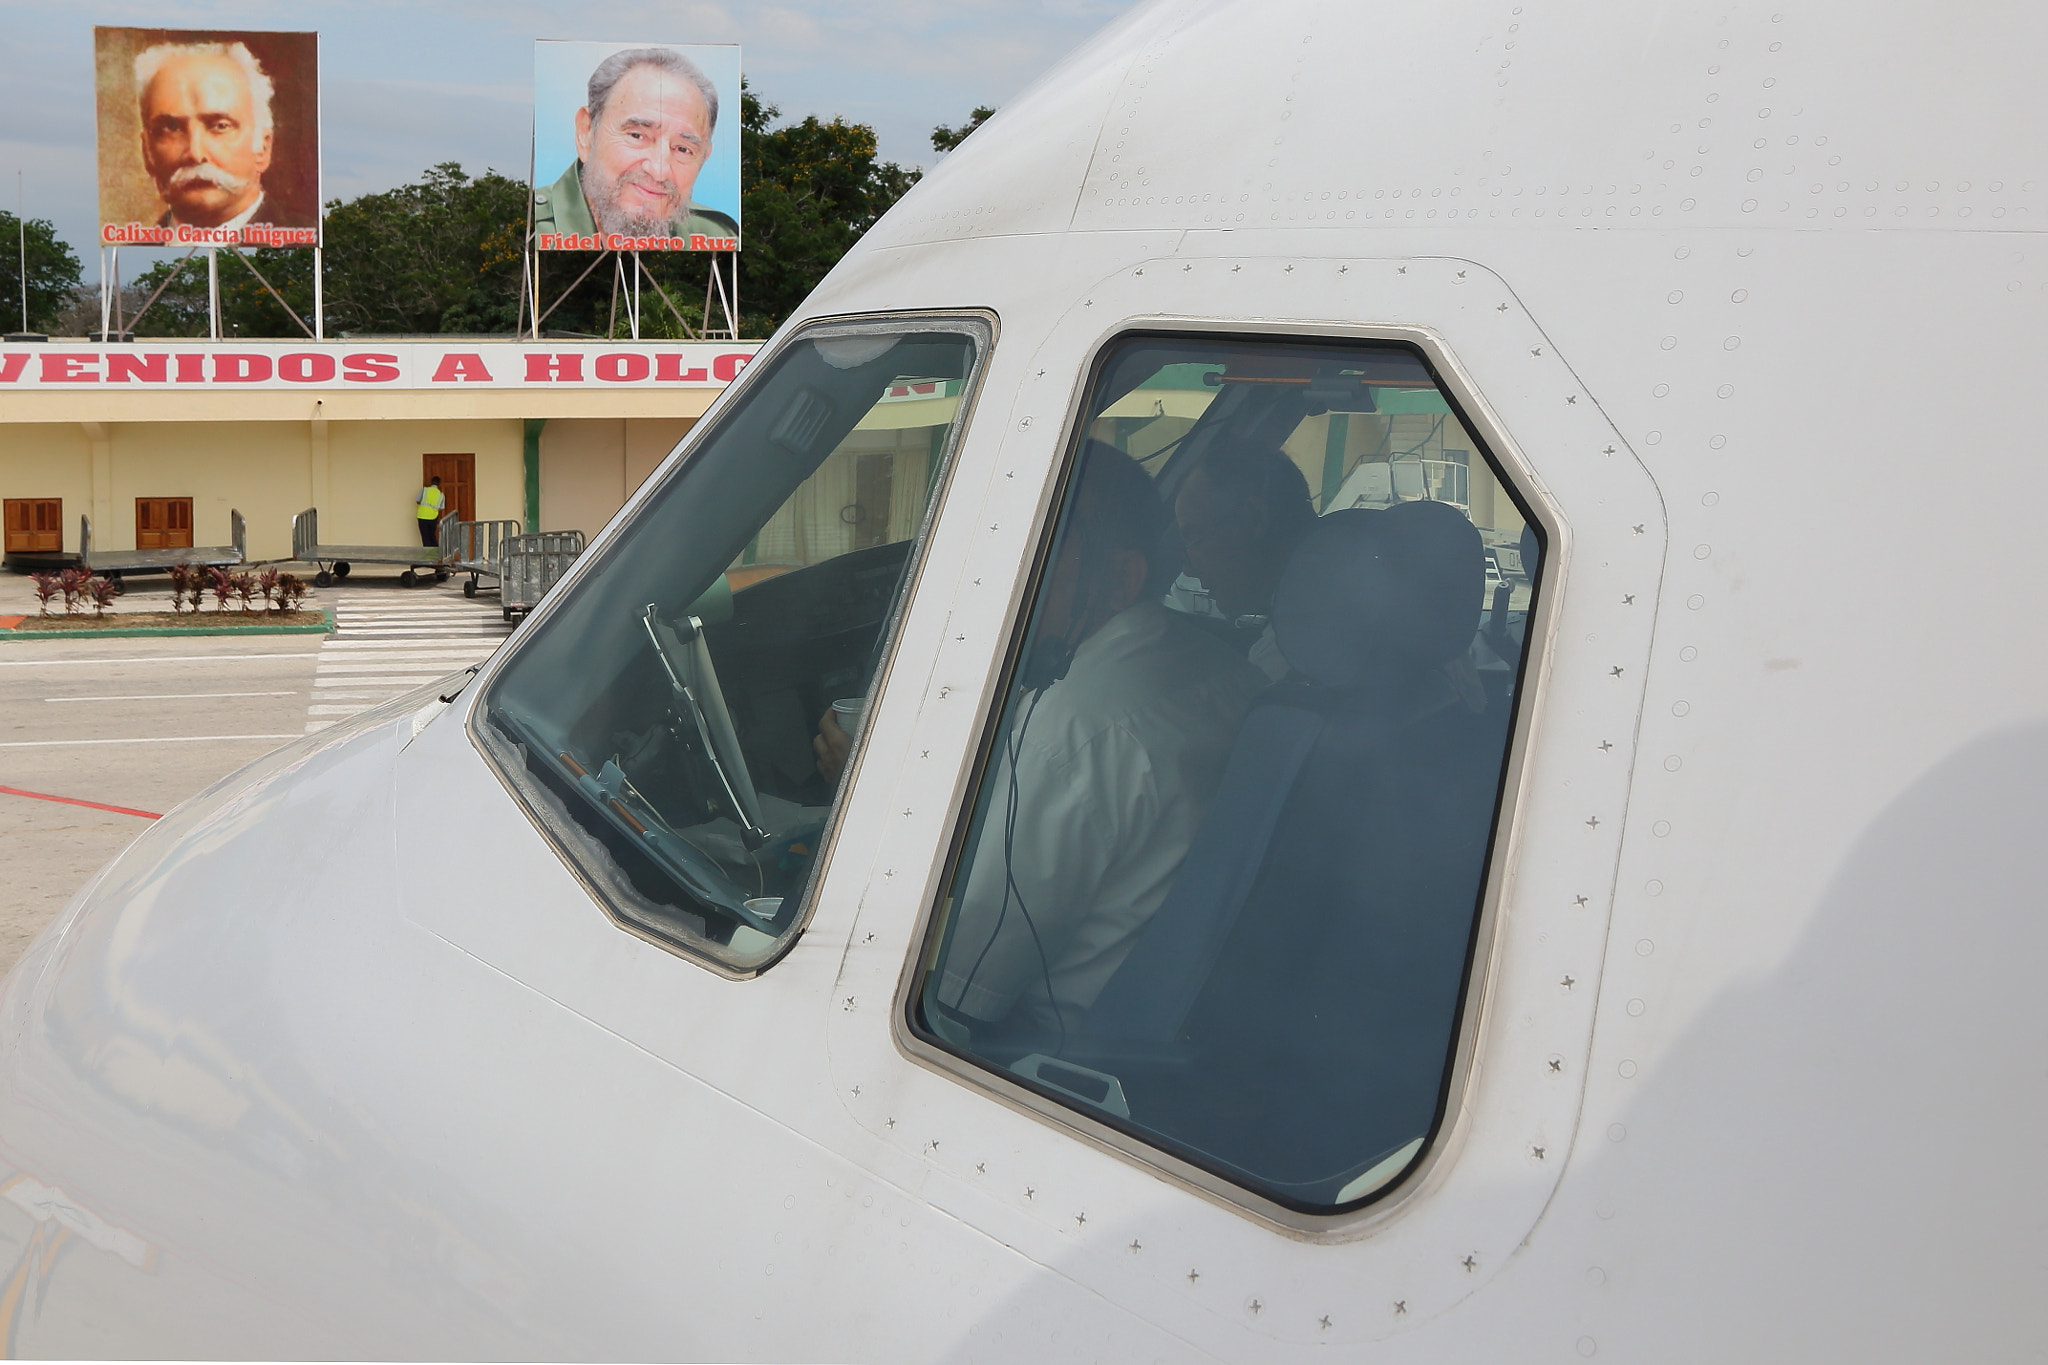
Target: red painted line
column 10, row 622
column 74, row 801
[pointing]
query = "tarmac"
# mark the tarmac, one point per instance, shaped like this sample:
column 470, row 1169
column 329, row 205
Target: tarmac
column 100, row 736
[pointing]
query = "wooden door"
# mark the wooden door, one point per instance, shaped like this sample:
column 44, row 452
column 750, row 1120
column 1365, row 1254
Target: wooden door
column 163, row 523
column 35, row 526
column 458, row 481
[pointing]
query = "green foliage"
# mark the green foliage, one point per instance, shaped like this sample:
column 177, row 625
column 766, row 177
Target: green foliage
column 438, row 255
column 53, row 274
column 247, row 309
column 812, row 189
column 945, row 139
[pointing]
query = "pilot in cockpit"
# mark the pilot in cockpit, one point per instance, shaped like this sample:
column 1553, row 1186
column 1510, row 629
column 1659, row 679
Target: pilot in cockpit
column 1240, row 518
column 1123, row 720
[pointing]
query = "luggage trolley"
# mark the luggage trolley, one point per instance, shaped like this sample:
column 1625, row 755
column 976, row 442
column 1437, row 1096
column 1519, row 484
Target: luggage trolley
column 533, row 564
column 422, row 562
column 476, row 548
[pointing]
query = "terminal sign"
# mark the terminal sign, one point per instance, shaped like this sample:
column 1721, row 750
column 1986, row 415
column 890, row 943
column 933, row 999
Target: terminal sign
column 402, row 365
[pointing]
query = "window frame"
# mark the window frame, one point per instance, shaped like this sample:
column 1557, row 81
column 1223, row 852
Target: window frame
column 981, row 323
column 1440, row 1144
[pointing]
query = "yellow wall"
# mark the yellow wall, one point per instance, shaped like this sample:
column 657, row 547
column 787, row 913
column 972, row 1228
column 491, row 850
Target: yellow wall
column 590, row 466
column 374, row 474
column 50, row 460
column 267, row 470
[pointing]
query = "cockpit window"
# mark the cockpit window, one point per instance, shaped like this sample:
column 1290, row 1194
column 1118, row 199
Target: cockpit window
column 681, row 724
column 1221, row 880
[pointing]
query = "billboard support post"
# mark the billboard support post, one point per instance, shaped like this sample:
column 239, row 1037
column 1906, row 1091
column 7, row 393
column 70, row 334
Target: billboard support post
column 21, row 230
column 728, row 300
column 319, row 308
column 636, row 296
column 106, row 298
column 212, row 294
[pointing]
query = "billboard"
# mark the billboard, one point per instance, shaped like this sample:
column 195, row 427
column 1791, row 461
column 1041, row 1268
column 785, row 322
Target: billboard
column 627, row 152
column 208, row 137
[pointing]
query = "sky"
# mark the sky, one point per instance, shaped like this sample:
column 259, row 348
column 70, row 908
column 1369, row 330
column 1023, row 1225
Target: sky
column 409, row 84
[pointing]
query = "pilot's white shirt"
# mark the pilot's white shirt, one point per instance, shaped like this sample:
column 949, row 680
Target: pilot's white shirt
column 1115, row 770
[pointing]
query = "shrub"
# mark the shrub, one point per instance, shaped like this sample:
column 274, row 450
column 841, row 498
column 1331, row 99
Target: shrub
column 184, row 582
column 266, row 584
column 102, row 591
column 46, row 589
column 223, row 588
column 291, row 590
column 244, row 585
column 71, row 582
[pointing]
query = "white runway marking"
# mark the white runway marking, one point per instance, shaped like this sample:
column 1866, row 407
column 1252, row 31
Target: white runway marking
column 381, row 648
column 174, row 696
column 153, row 659
column 145, row 739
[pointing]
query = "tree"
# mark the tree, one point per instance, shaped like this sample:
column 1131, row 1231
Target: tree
column 812, row 188
column 53, row 274
column 439, row 255
column 945, row 139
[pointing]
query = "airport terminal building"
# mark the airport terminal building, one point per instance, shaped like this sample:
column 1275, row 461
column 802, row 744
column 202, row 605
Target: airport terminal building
column 157, row 442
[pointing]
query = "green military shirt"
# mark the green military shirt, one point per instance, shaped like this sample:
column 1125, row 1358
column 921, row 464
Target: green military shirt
column 561, row 212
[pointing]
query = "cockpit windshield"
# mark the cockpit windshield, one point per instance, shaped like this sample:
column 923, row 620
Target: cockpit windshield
column 680, row 724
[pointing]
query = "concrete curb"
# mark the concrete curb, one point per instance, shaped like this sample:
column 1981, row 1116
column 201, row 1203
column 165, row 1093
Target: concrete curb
column 173, row 632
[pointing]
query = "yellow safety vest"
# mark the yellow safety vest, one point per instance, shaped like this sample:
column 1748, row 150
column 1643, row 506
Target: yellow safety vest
column 432, row 500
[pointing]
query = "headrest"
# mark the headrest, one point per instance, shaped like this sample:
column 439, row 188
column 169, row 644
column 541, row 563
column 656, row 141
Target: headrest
column 1379, row 595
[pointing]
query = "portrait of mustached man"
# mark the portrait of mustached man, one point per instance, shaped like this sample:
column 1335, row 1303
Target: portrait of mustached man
column 209, row 134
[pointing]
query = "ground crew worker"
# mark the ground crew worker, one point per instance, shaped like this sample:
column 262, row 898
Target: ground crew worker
column 431, row 502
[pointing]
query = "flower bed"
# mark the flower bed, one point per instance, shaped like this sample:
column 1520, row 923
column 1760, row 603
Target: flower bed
column 181, row 623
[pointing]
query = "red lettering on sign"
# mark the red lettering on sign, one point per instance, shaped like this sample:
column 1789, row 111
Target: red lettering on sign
column 622, row 367
column 191, row 368
column 11, row 366
column 241, row 369
column 460, row 366
column 727, row 367
column 151, row 369
column 669, row 370
column 306, row 367
column 544, row 368
column 71, row 369
column 370, row 368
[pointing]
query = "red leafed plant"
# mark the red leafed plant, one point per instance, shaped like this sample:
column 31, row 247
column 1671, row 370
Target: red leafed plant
column 291, row 590
column 266, row 584
column 223, row 587
column 102, row 591
column 184, row 582
column 47, row 589
column 71, row 582
column 244, row 584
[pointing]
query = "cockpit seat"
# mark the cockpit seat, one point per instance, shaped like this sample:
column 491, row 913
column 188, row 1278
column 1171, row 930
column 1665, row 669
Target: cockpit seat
column 1311, row 954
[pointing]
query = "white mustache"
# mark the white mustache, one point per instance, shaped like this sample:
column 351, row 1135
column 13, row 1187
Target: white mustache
column 206, row 173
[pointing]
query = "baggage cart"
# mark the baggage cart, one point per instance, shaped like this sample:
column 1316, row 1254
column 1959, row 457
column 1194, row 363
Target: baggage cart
column 334, row 561
column 533, row 564
column 476, row 548
column 115, row 563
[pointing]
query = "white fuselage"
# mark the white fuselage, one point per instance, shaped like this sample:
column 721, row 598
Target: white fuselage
column 340, row 1058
